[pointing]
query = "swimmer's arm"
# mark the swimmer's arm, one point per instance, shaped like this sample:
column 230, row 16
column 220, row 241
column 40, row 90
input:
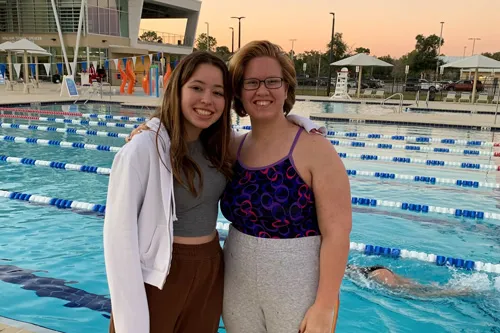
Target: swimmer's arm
column 426, row 291
column 333, row 205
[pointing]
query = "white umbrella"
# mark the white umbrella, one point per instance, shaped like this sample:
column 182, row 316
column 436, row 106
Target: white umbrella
column 9, row 62
column 361, row 59
column 25, row 46
column 474, row 62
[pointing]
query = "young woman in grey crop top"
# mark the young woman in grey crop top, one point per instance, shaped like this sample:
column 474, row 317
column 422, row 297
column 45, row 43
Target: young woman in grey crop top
column 199, row 129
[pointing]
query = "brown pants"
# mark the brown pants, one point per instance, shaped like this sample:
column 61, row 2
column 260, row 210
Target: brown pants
column 191, row 299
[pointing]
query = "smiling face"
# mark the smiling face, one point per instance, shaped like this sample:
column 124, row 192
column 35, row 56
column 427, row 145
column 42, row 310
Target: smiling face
column 202, row 101
column 263, row 92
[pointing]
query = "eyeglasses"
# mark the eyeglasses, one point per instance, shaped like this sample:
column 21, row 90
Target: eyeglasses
column 270, row 83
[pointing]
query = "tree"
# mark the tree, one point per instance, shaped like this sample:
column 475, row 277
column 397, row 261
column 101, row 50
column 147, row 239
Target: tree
column 384, row 72
column 362, row 50
column 339, row 47
column 151, row 36
column 425, row 58
column 223, row 52
column 495, row 55
column 201, row 42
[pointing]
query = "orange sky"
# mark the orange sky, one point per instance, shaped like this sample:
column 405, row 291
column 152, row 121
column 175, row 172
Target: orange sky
column 383, row 26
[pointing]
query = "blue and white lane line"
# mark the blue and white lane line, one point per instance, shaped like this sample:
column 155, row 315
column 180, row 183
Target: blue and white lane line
column 351, row 172
column 331, row 133
column 69, row 130
column 64, row 144
column 84, row 122
column 412, row 148
column 360, row 247
column 55, row 165
column 397, row 137
column 363, row 157
column 407, row 206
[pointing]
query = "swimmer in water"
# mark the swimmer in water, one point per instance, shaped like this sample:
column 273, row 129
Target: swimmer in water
column 384, row 276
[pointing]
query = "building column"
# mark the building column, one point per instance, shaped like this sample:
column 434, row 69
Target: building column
column 190, row 33
column 134, row 20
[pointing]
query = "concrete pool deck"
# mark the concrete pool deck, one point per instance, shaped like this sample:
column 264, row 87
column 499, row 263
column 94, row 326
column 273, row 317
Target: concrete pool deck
column 436, row 114
column 13, row 326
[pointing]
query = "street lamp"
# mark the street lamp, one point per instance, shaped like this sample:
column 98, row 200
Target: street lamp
column 291, row 54
column 474, row 43
column 439, row 50
column 232, row 39
column 239, row 29
column 208, row 36
column 329, row 83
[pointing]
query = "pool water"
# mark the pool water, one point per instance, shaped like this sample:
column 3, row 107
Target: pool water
column 61, row 250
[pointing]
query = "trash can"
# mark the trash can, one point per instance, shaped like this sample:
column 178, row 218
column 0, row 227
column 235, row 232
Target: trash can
column 56, row 78
column 432, row 95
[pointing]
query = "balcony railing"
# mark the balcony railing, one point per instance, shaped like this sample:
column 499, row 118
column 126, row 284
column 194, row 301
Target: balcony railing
column 165, row 38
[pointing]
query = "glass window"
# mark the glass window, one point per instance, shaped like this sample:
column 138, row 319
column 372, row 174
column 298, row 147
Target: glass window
column 103, row 3
column 92, row 3
column 114, row 22
column 93, row 20
column 113, row 4
column 104, row 21
column 123, row 5
column 124, row 24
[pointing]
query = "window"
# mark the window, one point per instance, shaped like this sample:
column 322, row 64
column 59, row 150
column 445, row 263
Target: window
column 103, row 21
column 124, row 24
column 114, row 22
column 93, row 20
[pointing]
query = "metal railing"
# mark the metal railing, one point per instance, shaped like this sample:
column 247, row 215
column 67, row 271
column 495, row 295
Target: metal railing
column 400, row 101
column 166, row 38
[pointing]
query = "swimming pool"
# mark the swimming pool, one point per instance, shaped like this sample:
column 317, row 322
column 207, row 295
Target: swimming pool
column 51, row 263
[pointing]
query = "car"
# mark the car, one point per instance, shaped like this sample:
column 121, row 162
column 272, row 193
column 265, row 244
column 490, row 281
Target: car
column 374, row 83
column 422, row 84
column 411, row 85
column 351, row 83
column 431, row 86
column 464, row 85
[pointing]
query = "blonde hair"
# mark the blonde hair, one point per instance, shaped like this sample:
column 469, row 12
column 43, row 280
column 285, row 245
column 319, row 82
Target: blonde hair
column 215, row 139
column 256, row 49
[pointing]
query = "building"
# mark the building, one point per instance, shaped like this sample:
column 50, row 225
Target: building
column 110, row 29
column 485, row 75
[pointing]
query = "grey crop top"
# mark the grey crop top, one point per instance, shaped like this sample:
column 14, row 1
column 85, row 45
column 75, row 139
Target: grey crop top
column 197, row 216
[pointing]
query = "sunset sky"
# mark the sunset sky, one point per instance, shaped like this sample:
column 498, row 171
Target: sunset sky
column 383, row 26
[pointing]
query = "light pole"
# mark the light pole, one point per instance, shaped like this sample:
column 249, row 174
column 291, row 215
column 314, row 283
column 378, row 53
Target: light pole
column 232, row 39
column 465, row 48
column 291, row 54
column 239, row 29
column 439, row 50
column 329, row 83
column 474, row 43
column 208, row 36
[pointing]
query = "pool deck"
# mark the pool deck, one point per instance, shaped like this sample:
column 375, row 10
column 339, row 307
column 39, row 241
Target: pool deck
column 13, row 326
column 455, row 115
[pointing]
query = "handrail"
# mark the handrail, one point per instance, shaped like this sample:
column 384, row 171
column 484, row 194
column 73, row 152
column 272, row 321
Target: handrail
column 400, row 100
column 95, row 88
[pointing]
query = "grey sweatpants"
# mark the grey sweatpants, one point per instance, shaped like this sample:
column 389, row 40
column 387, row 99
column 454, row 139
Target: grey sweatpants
column 269, row 284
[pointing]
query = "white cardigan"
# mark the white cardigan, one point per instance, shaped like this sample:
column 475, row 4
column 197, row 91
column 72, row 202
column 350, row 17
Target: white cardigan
column 138, row 227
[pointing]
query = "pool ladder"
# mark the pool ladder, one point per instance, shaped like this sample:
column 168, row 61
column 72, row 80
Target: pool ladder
column 417, row 98
column 400, row 101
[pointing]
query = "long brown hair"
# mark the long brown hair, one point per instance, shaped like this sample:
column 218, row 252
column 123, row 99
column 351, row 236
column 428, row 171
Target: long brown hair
column 215, row 139
column 256, row 49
